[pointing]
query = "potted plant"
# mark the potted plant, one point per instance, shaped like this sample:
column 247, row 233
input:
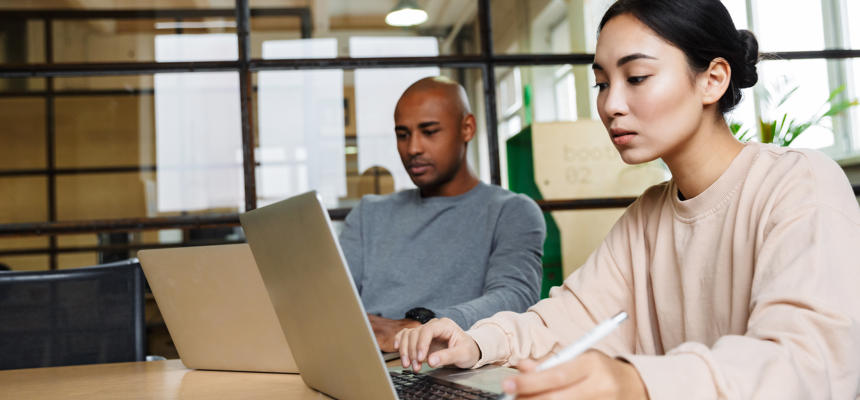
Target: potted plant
column 783, row 130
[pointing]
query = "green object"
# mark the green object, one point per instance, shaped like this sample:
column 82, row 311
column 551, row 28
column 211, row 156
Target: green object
column 782, row 131
column 521, row 179
column 527, row 105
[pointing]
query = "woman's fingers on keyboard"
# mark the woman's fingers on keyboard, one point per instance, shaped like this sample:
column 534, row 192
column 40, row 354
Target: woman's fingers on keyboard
column 402, row 344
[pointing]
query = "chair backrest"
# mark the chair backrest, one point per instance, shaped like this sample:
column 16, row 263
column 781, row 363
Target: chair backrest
column 72, row 316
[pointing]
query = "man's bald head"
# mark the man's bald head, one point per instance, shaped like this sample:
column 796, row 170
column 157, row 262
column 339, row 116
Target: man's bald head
column 433, row 125
column 451, row 92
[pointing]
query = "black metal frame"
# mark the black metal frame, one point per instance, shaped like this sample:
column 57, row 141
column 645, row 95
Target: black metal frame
column 487, row 61
column 49, row 70
column 50, row 164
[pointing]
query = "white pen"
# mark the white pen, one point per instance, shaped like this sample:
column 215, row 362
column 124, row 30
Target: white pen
column 580, row 346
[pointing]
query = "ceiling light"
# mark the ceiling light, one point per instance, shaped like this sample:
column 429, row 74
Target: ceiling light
column 406, row 13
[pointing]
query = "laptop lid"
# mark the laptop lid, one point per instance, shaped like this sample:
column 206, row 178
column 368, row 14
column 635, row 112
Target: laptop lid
column 217, row 309
column 315, row 299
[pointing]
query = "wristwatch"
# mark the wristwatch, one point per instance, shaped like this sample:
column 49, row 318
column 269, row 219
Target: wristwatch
column 420, row 314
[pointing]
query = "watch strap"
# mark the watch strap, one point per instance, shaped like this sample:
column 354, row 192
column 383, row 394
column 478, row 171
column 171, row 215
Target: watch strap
column 420, row 314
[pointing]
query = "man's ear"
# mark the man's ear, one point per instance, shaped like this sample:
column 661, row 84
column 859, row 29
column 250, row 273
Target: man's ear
column 468, row 127
column 715, row 81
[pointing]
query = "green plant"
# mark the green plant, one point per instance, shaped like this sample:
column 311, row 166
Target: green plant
column 784, row 130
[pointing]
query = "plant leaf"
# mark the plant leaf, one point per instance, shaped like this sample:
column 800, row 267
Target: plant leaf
column 839, row 107
column 835, row 93
column 735, row 127
column 779, row 132
column 741, row 136
column 787, row 95
column 767, row 131
column 796, row 131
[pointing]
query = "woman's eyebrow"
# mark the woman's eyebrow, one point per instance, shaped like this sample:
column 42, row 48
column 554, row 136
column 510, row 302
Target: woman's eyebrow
column 635, row 56
column 624, row 60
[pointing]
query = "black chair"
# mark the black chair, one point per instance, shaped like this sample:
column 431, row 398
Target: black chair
column 74, row 316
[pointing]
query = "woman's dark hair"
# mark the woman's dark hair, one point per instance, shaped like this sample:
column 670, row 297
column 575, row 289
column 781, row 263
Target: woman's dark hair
column 703, row 30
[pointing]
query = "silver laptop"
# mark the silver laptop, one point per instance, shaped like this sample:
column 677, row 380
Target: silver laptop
column 320, row 312
column 217, row 309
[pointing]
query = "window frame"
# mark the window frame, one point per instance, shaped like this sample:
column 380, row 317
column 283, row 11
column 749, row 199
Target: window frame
column 487, row 61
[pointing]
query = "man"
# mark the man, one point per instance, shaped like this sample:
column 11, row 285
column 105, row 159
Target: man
column 454, row 247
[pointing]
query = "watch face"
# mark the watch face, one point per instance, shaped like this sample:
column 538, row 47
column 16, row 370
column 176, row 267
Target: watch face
column 420, row 314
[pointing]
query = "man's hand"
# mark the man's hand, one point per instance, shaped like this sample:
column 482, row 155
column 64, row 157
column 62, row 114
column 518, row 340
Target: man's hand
column 592, row 375
column 385, row 329
column 439, row 342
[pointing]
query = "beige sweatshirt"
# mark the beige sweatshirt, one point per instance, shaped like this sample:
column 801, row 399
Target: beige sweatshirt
column 750, row 290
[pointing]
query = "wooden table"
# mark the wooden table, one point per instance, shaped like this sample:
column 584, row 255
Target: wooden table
column 149, row 380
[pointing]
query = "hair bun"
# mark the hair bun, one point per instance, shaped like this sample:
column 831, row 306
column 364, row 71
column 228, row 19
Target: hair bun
column 748, row 75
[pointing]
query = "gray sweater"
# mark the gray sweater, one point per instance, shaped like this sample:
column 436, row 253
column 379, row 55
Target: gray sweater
column 465, row 257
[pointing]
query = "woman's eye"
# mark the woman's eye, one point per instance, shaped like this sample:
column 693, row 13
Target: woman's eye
column 637, row 79
column 601, row 85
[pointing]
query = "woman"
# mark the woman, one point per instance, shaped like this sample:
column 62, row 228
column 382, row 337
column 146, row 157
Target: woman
column 739, row 274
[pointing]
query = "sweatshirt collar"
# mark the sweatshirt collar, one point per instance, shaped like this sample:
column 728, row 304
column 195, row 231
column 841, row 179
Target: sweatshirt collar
column 716, row 195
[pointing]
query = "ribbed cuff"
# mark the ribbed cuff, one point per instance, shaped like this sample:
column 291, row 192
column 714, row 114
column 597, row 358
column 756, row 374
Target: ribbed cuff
column 492, row 343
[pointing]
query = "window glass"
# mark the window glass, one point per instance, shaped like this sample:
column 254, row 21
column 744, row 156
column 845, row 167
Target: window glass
column 453, row 25
column 509, row 95
column 23, row 133
column 853, row 15
column 266, row 29
column 129, row 40
column 25, row 200
column 808, row 80
column 744, row 116
column 104, row 196
column 544, row 93
column 128, row 4
column 738, row 11
column 301, row 133
column 376, row 94
column 196, row 172
column 175, row 146
column 565, row 94
column 795, row 28
column 853, row 92
column 94, row 130
column 853, row 78
column 30, row 262
column 530, row 26
column 19, row 87
column 560, row 37
column 77, row 259
column 339, row 139
column 21, row 40
column 198, row 141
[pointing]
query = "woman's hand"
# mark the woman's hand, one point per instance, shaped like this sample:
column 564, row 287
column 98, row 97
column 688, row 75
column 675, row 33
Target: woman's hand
column 592, row 375
column 439, row 342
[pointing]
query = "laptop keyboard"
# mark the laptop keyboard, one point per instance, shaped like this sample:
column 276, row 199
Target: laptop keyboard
column 410, row 385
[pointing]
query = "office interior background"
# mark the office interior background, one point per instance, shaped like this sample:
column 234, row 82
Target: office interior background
column 135, row 124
